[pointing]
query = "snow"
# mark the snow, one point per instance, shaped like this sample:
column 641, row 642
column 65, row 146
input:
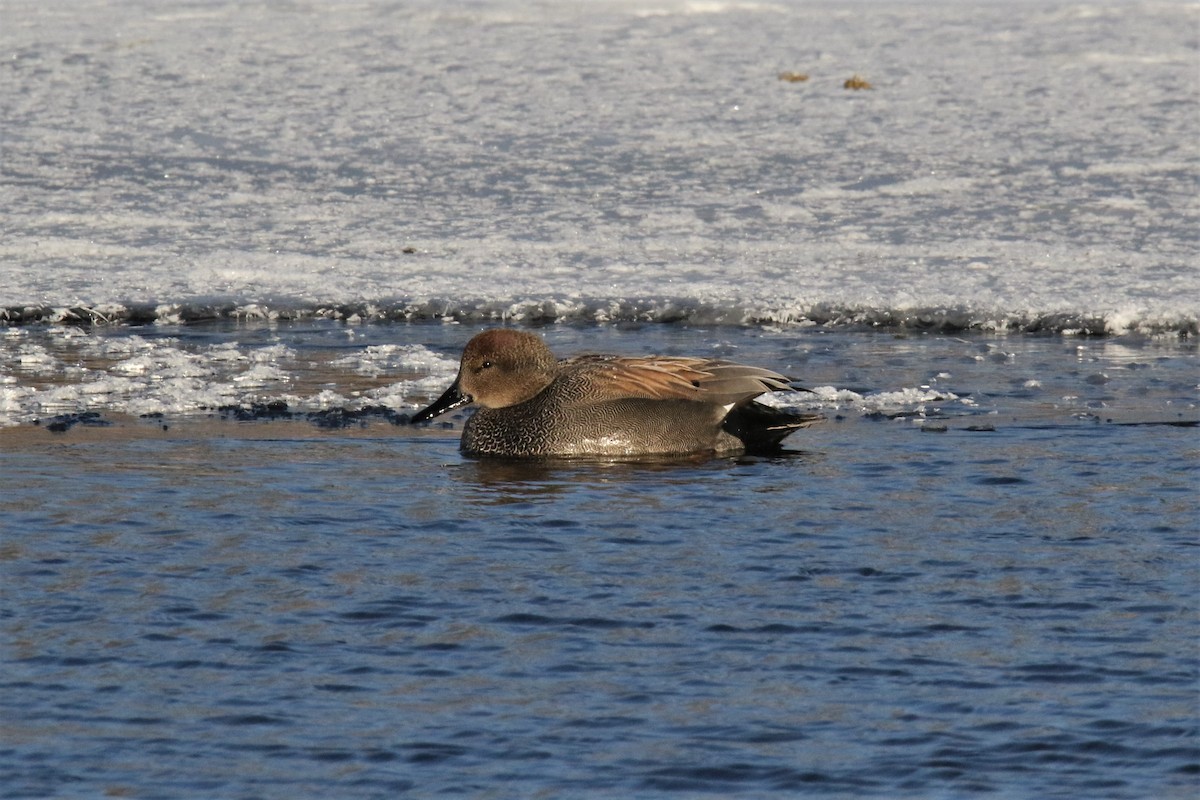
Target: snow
column 1029, row 165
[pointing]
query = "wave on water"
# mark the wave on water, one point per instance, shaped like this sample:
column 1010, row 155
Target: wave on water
column 1110, row 322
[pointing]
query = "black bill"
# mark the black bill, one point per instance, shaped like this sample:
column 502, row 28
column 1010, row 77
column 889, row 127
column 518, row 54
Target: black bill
column 451, row 399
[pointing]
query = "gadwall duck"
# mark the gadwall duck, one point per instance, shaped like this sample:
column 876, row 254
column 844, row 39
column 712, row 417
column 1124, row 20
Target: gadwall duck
column 534, row 405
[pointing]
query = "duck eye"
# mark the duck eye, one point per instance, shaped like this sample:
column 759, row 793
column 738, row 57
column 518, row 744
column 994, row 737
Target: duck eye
column 486, row 365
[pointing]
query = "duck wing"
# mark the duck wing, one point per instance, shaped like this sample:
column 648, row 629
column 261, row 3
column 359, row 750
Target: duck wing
column 722, row 383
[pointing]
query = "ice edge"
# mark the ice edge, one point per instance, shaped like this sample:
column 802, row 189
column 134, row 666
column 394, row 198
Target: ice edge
column 657, row 310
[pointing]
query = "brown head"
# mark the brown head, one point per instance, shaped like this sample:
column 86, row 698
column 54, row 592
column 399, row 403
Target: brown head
column 500, row 367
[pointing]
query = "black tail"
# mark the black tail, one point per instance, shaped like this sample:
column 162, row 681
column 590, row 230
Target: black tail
column 763, row 428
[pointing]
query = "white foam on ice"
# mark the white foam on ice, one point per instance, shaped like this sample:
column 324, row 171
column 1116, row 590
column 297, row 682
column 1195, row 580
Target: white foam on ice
column 913, row 402
column 62, row 371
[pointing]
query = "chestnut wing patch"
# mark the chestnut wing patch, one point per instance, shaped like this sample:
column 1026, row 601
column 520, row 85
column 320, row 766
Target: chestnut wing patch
column 664, row 378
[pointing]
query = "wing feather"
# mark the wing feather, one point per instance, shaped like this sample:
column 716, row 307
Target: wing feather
column 670, row 378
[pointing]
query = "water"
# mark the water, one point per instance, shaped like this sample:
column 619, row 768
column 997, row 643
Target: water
column 993, row 594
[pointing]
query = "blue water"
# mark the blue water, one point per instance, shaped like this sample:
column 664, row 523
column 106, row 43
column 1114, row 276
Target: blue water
column 1001, row 604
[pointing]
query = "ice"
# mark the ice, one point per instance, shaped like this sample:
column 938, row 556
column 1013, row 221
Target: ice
column 376, row 360
column 1020, row 167
column 61, row 371
column 912, row 402
column 261, row 376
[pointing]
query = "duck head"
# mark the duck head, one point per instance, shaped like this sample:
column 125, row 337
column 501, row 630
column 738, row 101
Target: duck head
column 500, row 367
